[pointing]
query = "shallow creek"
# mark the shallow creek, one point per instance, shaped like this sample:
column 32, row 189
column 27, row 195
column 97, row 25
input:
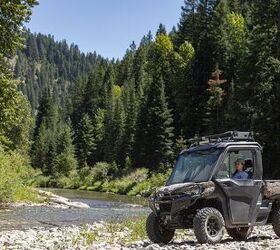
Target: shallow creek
column 103, row 207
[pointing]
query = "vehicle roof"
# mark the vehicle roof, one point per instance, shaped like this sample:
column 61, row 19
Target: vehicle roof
column 223, row 144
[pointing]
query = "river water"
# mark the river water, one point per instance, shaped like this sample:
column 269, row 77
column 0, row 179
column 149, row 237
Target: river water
column 103, row 207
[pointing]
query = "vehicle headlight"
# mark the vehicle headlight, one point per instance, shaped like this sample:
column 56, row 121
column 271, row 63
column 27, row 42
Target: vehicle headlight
column 195, row 191
column 157, row 206
column 160, row 195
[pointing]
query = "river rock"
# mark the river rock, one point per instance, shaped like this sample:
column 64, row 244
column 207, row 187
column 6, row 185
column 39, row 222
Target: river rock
column 83, row 237
column 62, row 200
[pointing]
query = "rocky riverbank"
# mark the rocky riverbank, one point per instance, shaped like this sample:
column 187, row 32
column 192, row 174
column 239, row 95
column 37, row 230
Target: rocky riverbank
column 107, row 236
column 48, row 199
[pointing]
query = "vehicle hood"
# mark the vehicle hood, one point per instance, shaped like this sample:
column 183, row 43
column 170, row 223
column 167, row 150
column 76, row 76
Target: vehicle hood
column 202, row 188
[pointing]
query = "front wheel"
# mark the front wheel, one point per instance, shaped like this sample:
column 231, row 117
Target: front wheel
column 208, row 225
column 156, row 231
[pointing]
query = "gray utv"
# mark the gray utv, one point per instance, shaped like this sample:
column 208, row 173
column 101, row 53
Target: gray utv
column 201, row 193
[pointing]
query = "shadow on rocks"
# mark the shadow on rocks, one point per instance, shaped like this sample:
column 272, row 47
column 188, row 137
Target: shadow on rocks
column 251, row 239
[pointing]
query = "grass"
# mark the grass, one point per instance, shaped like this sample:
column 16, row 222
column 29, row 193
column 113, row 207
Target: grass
column 135, row 228
column 124, row 232
column 88, row 236
column 28, row 194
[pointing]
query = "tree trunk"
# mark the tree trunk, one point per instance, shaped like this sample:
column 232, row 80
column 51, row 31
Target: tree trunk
column 278, row 32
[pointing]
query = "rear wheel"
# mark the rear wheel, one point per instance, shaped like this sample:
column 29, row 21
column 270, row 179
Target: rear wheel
column 240, row 233
column 208, row 225
column 276, row 219
column 157, row 231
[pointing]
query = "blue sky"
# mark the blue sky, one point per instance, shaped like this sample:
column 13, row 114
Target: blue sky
column 105, row 26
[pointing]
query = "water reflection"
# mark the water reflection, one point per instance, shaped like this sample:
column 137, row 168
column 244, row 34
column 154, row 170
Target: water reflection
column 103, row 206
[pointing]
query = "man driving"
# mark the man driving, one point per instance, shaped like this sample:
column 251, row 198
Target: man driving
column 239, row 170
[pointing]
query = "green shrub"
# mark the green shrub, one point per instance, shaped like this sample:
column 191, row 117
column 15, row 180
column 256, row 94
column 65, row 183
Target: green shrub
column 99, row 172
column 120, row 186
column 75, row 180
column 84, row 173
column 96, row 187
column 90, row 189
column 72, row 181
column 142, row 188
column 14, row 172
column 28, row 194
column 61, row 182
column 41, row 181
column 146, row 187
column 83, row 188
column 124, row 184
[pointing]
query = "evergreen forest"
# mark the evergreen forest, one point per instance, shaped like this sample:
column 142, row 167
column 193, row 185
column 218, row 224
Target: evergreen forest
column 89, row 122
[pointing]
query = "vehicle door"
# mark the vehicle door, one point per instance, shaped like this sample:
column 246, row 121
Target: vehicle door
column 242, row 195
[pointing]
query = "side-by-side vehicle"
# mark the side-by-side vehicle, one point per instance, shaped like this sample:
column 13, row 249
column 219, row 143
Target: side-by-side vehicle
column 202, row 194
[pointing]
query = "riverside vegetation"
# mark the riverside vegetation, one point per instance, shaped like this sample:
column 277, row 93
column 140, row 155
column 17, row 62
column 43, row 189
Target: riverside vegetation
column 100, row 123
column 84, row 121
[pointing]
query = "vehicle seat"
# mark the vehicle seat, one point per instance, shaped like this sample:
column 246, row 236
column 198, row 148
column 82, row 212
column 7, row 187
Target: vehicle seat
column 248, row 167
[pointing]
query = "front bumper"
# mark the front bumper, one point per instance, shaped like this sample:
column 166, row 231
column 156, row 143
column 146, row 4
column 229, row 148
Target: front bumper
column 170, row 205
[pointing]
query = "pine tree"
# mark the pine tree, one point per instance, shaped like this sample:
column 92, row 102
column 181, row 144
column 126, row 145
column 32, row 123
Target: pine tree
column 43, row 110
column 45, row 141
column 187, row 27
column 98, row 133
column 154, row 129
column 114, row 117
column 85, row 142
column 161, row 30
column 128, row 136
column 64, row 160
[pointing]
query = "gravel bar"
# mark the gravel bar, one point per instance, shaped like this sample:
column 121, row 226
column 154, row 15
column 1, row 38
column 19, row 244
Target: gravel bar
column 82, row 237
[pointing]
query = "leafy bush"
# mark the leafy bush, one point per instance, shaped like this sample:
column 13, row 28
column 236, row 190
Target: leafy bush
column 99, row 172
column 28, row 194
column 146, row 187
column 41, row 181
column 96, row 187
column 14, row 172
column 84, row 173
column 61, row 182
column 124, row 184
column 120, row 186
column 72, row 181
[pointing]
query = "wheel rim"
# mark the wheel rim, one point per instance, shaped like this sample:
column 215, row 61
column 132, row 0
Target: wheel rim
column 213, row 226
column 161, row 227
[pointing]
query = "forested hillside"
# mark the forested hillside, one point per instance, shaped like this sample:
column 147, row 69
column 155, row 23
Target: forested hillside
column 218, row 70
column 46, row 64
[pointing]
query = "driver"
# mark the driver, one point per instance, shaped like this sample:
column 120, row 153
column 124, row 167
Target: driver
column 239, row 171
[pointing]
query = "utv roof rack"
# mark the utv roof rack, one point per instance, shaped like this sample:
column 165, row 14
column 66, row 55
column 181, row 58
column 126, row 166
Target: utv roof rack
column 229, row 136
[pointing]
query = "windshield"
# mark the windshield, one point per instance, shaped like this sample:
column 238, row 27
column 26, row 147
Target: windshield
column 194, row 166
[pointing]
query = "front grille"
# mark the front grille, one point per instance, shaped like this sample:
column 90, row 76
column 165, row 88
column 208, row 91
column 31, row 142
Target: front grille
column 170, row 197
column 165, row 207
